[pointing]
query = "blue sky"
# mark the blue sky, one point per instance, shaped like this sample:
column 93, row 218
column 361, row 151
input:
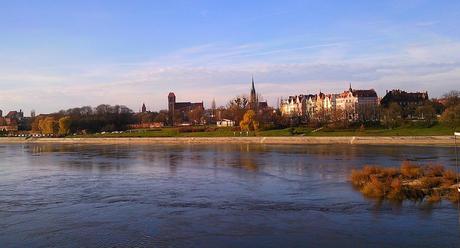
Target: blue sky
column 61, row 54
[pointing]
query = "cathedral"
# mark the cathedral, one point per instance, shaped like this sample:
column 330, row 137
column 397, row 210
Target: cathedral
column 178, row 110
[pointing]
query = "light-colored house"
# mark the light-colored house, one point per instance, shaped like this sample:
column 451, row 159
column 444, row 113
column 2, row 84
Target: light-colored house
column 225, row 123
column 293, row 106
column 298, row 105
column 358, row 104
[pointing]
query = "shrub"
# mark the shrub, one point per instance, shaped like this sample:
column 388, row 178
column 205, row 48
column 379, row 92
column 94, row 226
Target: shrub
column 431, row 183
column 453, row 195
column 449, row 175
column 360, row 177
column 396, row 192
column 434, row 170
column 410, row 170
column 434, row 197
column 374, row 188
column 390, row 172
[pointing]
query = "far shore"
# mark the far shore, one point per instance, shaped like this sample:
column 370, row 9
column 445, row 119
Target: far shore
column 354, row 140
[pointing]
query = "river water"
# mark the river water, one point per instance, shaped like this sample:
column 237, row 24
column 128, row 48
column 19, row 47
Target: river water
column 210, row 195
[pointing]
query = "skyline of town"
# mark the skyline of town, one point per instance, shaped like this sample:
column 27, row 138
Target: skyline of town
column 139, row 107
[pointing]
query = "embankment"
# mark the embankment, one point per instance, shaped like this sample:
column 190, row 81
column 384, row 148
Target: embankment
column 394, row 140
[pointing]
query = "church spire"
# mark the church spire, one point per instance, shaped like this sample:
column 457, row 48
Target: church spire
column 350, row 89
column 253, row 95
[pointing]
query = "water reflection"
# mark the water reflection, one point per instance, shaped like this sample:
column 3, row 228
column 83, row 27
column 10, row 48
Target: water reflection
column 204, row 195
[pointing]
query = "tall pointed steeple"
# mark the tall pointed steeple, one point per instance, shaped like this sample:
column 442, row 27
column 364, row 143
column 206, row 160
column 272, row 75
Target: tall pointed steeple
column 253, row 95
column 253, row 101
column 350, row 89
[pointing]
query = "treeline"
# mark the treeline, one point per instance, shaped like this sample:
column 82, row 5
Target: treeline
column 103, row 118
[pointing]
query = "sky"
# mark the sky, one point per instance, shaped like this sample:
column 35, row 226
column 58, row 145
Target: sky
column 61, row 54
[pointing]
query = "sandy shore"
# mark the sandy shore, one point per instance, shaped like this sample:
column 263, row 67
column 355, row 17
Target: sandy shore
column 396, row 140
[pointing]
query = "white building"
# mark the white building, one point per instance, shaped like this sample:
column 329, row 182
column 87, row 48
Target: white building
column 358, row 104
column 307, row 105
column 225, row 123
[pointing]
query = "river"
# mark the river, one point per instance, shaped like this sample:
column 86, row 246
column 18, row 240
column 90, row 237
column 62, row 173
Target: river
column 211, row 195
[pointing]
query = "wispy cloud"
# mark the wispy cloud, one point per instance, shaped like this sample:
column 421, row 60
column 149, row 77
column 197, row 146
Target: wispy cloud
column 221, row 71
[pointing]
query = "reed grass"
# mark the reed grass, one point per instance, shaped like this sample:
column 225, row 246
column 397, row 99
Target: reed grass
column 410, row 181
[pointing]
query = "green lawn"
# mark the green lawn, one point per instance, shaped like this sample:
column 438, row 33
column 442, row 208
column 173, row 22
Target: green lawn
column 400, row 131
column 299, row 131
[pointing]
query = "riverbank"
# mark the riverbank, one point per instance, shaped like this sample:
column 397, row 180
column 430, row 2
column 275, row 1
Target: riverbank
column 355, row 140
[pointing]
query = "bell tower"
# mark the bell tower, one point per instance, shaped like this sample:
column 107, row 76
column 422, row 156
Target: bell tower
column 171, row 107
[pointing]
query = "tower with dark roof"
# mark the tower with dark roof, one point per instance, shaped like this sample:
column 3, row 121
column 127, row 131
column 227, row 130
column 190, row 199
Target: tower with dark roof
column 253, row 99
column 253, row 95
column 144, row 109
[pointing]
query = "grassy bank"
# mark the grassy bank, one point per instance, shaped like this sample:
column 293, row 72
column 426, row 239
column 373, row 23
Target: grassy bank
column 436, row 130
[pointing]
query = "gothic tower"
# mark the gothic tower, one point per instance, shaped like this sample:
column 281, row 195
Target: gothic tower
column 253, row 95
column 171, row 107
column 253, row 99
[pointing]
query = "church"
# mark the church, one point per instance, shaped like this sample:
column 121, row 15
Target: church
column 179, row 111
column 254, row 102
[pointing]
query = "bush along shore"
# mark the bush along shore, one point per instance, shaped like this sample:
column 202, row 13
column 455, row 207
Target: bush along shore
column 431, row 183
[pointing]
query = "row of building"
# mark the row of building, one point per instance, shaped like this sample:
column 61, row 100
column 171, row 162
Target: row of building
column 353, row 104
column 11, row 121
column 356, row 105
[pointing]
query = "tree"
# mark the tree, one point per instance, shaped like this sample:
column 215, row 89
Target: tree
column 322, row 117
column 49, row 125
column 146, row 117
column 41, row 124
column 427, row 113
column 339, row 118
column 452, row 98
column 392, row 115
column 236, row 108
column 451, row 116
column 195, row 115
column 162, row 117
column 35, row 125
column 249, row 122
column 64, row 125
column 213, row 107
